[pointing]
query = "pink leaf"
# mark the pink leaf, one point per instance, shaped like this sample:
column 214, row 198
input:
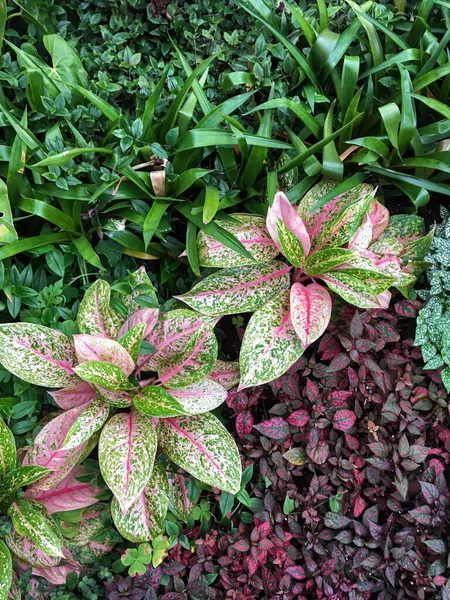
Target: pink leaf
column 363, row 236
column 310, row 311
column 75, row 395
column 69, row 494
column 276, row 428
column 47, row 449
column 296, row 572
column 144, row 315
column 91, row 347
column 283, row 209
column 58, row 574
column 298, row 418
column 379, row 217
column 343, row 420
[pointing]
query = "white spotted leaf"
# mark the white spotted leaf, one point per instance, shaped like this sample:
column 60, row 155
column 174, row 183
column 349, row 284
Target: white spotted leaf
column 155, row 401
column 6, row 571
column 200, row 397
column 31, row 519
column 236, row 290
column 225, row 373
column 94, row 348
column 202, row 446
column 104, row 374
column 7, row 449
column 38, row 354
column 145, row 518
column 126, row 453
column 95, row 316
column 90, row 420
column 270, row 345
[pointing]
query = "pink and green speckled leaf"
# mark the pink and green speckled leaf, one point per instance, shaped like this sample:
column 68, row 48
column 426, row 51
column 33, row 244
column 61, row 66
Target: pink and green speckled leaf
column 116, row 399
column 171, row 335
column 48, row 450
column 58, row 575
column 377, row 280
column 292, row 247
column 68, row 494
column 202, row 446
column 145, row 518
column 243, row 289
column 362, row 237
column 92, row 539
column 250, row 230
column 311, row 307
column 25, row 549
column 343, row 227
column 283, row 210
column 132, row 340
column 401, row 230
column 38, row 354
column 95, row 316
column 20, row 477
column 227, row 374
column 73, row 396
column 92, row 348
column 7, row 449
column 149, row 316
column 319, row 220
column 379, row 217
column 270, row 345
column 155, row 401
column 324, row 260
column 180, row 501
column 31, row 519
column 126, row 453
column 194, row 363
column 353, row 290
column 200, row 397
column 104, row 374
column 6, row 571
column 92, row 419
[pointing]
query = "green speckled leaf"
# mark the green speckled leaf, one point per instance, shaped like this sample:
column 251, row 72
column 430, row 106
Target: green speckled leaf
column 351, row 289
column 37, row 354
column 200, row 397
column 6, row 571
column 270, row 345
column 401, row 230
column 90, row 420
column 21, row 477
column 251, row 231
column 291, row 246
column 180, row 501
column 31, row 519
column 25, row 549
column 95, row 316
column 202, row 446
column 131, row 341
column 417, row 250
column 194, row 363
column 377, row 280
column 155, row 401
column 104, row 374
column 126, row 453
column 242, row 289
column 225, row 373
column 325, row 260
column 145, row 518
column 7, row 449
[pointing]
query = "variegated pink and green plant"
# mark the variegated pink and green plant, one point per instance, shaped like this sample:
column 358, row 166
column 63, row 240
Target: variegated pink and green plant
column 136, row 386
column 344, row 243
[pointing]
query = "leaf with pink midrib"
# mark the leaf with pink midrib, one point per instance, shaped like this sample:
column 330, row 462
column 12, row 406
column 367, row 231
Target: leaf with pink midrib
column 149, row 316
column 202, row 446
column 178, row 370
column 94, row 348
column 225, row 373
column 47, row 449
column 73, row 396
column 38, row 354
column 310, row 311
column 127, row 450
column 250, row 230
column 69, row 494
column 282, row 209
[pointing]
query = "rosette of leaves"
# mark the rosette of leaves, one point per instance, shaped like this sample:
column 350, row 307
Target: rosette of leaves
column 432, row 325
column 346, row 242
column 34, row 535
column 132, row 398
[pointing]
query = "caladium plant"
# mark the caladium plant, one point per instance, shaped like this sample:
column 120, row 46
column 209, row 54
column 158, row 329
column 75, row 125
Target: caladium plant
column 134, row 385
column 343, row 243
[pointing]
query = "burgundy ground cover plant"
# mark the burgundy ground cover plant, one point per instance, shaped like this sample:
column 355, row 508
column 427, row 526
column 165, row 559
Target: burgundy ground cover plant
column 346, row 242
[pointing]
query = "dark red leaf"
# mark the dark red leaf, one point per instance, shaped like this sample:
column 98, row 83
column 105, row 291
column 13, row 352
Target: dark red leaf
column 343, row 420
column 299, row 418
column 276, row 428
column 296, row 572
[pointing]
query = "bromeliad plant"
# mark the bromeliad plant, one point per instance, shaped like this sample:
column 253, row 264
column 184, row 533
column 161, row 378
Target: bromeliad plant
column 131, row 397
column 345, row 241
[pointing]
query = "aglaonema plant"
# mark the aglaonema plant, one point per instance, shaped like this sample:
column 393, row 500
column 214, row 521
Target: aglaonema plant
column 132, row 402
column 346, row 242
